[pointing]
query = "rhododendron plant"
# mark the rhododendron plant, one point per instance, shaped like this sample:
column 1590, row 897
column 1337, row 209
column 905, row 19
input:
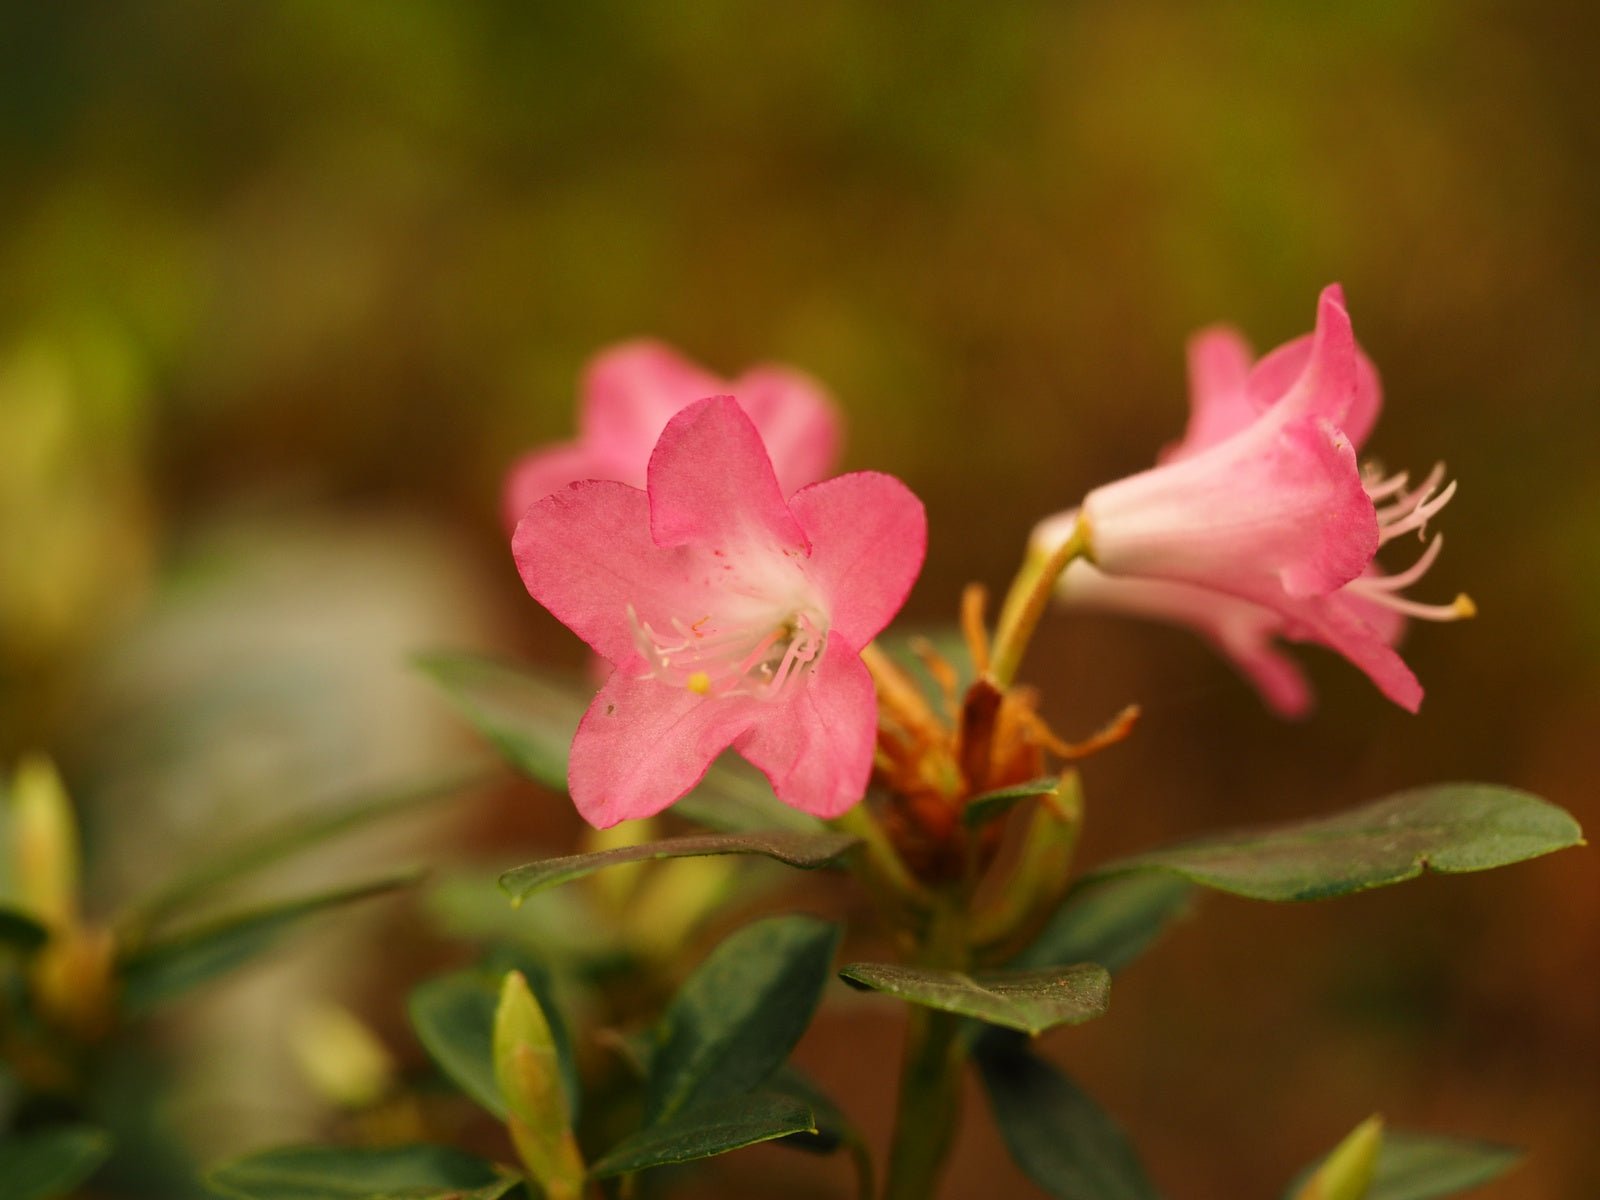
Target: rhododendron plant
column 632, row 390
column 731, row 616
column 1260, row 522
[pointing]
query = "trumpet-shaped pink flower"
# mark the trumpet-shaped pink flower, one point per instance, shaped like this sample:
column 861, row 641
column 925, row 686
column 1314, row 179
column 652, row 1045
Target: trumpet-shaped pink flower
column 1261, row 524
column 632, row 390
column 731, row 617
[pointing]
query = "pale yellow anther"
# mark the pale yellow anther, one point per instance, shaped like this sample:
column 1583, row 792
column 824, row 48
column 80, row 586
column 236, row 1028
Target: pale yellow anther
column 699, row 683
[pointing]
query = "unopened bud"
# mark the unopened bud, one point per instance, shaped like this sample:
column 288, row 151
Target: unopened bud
column 1346, row 1174
column 528, row 1070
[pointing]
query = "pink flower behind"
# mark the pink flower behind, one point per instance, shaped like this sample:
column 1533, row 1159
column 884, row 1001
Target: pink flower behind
column 1259, row 523
column 632, row 390
column 731, row 617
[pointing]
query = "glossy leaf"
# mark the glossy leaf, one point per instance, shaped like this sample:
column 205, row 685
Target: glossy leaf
column 1109, row 921
column 19, row 931
column 1029, row 1001
column 1450, row 828
column 737, row 1017
column 50, row 1163
column 990, row 806
column 1419, row 1166
column 414, row 1172
column 795, row 849
column 1059, row 1137
column 708, row 1129
column 163, row 970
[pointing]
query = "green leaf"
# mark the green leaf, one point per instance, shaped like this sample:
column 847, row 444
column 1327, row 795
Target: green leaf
column 707, row 1129
column 1110, row 921
column 454, row 1019
column 1059, row 1137
column 1449, row 828
column 162, row 970
column 414, row 1172
column 796, row 849
column 289, row 837
column 834, row 1129
column 738, row 1016
column 988, row 806
column 1418, row 1166
column 19, row 931
column 528, row 718
column 1030, row 1001
column 36, row 1166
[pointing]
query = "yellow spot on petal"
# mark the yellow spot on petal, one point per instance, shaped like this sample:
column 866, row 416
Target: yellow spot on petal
column 699, row 683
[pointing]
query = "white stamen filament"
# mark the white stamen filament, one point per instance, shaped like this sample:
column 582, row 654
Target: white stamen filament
column 1409, row 508
column 744, row 657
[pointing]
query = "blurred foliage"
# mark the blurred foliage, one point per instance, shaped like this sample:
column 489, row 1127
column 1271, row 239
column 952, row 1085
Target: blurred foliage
column 335, row 265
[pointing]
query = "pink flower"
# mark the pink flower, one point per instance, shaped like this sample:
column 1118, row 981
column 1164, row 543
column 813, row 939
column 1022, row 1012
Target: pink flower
column 631, row 390
column 1260, row 523
column 730, row 616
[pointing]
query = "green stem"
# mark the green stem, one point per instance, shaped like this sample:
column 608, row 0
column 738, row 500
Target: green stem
column 1025, row 603
column 930, row 1083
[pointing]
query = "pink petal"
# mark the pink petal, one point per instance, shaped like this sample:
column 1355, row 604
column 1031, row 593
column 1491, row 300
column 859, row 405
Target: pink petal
column 1273, row 376
column 1336, row 622
column 1328, row 382
column 543, row 472
column 816, row 745
column 1277, row 502
column 630, row 392
column 797, row 420
column 585, row 554
column 711, row 482
column 1219, row 405
column 868, row 534
column 643, row 744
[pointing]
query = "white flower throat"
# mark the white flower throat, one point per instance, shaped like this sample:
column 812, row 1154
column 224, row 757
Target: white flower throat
column 718, row 656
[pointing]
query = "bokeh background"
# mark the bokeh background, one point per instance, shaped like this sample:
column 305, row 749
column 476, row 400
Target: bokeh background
column 285, row 287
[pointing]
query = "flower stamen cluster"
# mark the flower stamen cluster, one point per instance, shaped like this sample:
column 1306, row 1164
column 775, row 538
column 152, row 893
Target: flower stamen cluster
column 713, row 658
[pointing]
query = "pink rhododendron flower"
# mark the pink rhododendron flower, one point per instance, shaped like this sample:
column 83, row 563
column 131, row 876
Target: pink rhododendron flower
column 1259, row 523
column 632, row 390
column 730, row 616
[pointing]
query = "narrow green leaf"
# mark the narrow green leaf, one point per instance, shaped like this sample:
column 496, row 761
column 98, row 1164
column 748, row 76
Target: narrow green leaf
column 162, row 970
column 527, row 717
column 707, row 1129
column 1449, row 828
column 989, row 806
column 1059, row 1137
column 796, row 849
column 737, row 1017
column 1029, row 1001
column 1419, row 1166
column 50, row 1163
column 20, row 932
column 414, row 1172
column 1109, row 921
column 283, row 840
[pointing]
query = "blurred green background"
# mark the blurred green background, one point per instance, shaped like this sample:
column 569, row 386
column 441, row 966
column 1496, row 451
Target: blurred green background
column 285, row 287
